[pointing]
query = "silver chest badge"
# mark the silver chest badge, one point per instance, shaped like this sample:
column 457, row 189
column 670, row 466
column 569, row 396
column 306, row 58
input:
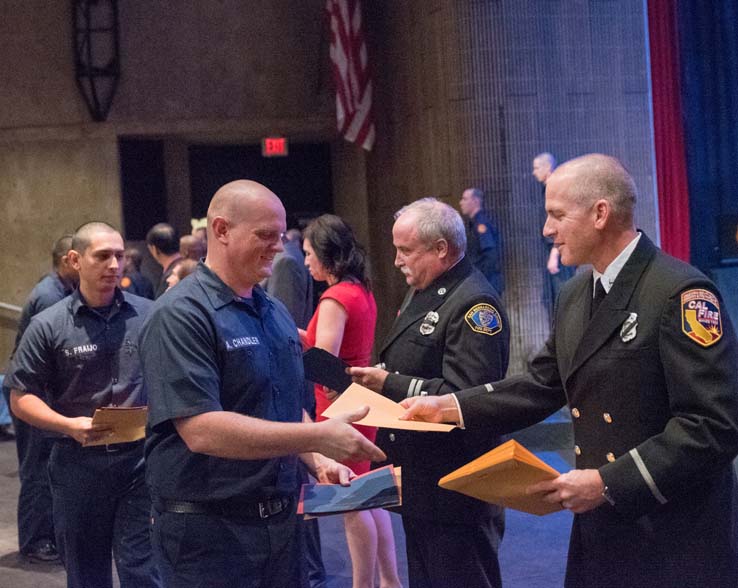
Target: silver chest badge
column 429, row 323
column 628, row 330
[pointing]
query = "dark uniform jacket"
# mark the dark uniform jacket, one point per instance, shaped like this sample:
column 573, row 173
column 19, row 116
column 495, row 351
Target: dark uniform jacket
column 652, row 384
column 484, row 249
column 452, row 335
column 292, row 284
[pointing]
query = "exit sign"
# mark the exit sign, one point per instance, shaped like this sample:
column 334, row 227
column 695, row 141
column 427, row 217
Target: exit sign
column 274, row 147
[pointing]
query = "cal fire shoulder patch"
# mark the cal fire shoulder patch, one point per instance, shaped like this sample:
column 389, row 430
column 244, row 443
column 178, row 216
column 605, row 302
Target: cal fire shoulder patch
column 484, row 318
column 701, row 320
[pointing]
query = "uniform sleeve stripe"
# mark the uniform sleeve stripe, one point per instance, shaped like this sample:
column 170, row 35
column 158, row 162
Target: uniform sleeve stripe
column 414, row 387
column 417, row 391
column 647, row 476
column 489, row 387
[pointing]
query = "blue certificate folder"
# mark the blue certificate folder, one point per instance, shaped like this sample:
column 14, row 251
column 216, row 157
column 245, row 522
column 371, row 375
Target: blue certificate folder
column 375, row 489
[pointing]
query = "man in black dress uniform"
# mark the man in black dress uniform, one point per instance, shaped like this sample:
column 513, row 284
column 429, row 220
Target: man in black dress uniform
column 647, row 361
column 451, row 333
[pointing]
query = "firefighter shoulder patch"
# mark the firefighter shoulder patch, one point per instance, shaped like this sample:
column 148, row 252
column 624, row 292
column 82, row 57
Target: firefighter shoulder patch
column 701, row 319
column 484, row 318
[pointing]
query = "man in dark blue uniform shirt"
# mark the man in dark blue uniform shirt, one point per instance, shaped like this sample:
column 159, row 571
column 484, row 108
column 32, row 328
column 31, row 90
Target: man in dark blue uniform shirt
column 35, row 521
column 223, row 365
column 647, row 361
column 75, row 357
column 483, row 244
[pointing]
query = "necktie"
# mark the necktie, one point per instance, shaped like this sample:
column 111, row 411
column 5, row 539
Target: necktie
column 599, row 296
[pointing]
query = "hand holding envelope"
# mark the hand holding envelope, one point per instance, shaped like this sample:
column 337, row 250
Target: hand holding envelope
column 383, row 412
column 126, row 424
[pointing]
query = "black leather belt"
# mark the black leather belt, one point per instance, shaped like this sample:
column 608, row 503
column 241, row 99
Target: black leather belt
column 113, row 448
column 252, row 510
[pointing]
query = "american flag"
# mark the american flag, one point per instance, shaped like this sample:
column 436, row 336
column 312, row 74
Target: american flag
column 351, row 73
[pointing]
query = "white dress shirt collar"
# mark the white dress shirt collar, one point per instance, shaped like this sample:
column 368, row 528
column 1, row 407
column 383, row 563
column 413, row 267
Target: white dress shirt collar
column 611, row 271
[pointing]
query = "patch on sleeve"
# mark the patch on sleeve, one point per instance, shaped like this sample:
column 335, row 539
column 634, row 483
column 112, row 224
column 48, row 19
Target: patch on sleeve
column 481, row 228
column 125, row 282
column 701, row 317
column 484, row 318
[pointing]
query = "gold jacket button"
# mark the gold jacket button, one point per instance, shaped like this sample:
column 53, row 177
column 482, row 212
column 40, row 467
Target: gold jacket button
column 610, row 457
column 575, row 412
column 391, row 436
column 607, row 417
column 577, row 450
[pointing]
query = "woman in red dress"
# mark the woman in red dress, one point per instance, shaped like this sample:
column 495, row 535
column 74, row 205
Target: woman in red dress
column 343, row 324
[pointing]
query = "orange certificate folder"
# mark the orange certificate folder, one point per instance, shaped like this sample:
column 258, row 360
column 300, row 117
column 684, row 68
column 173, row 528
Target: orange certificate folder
column 126, row 424
column 501, row 476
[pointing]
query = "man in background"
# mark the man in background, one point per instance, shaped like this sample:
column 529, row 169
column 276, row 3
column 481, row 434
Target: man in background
column 191, row 247
column 483, row 245
column 556, row 272
column 35, row 521
column 162, row 241
column 133, row 280
column 290, row 281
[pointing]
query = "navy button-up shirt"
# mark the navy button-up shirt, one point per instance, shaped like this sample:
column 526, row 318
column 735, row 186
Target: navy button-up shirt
column 78, row 359
column 49, row 290
column 205, row 349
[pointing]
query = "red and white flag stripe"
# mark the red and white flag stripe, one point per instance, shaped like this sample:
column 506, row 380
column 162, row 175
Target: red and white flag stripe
column 351, row 73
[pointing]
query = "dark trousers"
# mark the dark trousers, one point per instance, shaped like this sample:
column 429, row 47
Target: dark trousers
column 215, row 551
column 102, row 506
column 312, row 573
column 35, row 520
column 441, row 555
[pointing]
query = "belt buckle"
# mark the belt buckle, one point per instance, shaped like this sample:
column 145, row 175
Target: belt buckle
column 270, row 507
column 263, row 514
column 113, row 448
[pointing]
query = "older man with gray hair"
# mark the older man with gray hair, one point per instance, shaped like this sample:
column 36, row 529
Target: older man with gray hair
column 451, row 331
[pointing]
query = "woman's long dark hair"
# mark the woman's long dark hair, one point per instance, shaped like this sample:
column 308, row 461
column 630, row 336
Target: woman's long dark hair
column 336, row 247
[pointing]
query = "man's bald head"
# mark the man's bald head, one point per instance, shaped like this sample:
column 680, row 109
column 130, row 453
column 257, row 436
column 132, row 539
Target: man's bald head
column 234, row 200
column 596, row 177
column 246, row 224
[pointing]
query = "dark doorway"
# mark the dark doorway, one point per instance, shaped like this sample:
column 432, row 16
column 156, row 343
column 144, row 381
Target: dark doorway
column 302, row 179
column 143, row 186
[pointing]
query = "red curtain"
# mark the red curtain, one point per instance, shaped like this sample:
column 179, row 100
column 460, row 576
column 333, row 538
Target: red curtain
column 671, row 172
